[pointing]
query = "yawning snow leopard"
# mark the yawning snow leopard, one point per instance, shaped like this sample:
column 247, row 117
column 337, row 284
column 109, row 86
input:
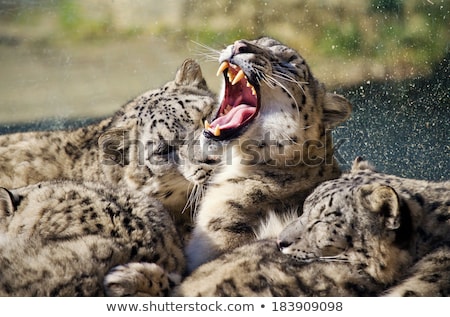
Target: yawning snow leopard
column 273, row 133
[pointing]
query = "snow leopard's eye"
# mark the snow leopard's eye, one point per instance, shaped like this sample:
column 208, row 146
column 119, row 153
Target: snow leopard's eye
column 162, row 149
column 8, row 201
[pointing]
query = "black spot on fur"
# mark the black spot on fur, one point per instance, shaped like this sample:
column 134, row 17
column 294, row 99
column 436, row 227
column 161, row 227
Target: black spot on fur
column 238, row 227
column 432, row 278
column 443, row 218
column 257, row 196
column 259, row 284
column 227, row 288
column 357, row 289
column 410, row 293
column 419, row 198
column 86, row 201
column 73, row 151
column 215, row 224
column 114, row 234
column 235, row 204
column 236, row 180
column 349, row 240
column 320, row 173
column 155, row 258
column 303, row 99
column 134, row 251
column 434, row 205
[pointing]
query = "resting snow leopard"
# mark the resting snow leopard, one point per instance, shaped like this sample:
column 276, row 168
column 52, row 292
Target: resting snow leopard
column 363, row 234
column 273, row 130
column 136, row 148
column 61, row 238
column 406, row 221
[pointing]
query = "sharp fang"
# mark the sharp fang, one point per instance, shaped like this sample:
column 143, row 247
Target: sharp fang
column 230, row 76
column 207, row 125
column 253, row 91
column 238, row 77
column 217, row 130
column 222, row 67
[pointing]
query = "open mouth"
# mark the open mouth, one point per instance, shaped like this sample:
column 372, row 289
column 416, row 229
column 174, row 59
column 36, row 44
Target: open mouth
column 239, row 106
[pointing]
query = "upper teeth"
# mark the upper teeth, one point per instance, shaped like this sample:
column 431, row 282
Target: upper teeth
column 222, row 67
column 238, row 77
column 234, row 79
column 230, row 76
column 252, row 88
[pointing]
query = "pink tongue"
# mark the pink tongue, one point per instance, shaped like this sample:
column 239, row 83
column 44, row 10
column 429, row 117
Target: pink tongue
column 234, row 118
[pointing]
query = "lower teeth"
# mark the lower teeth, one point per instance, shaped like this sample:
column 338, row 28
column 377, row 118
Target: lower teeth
column 227, row 109
column 217, row 131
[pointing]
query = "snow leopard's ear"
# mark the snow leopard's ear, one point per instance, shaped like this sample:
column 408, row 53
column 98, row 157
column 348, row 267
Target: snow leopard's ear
column 7, row 203
column 359, row 164
column 383, row 200
column 336, row 110
column 190, row 74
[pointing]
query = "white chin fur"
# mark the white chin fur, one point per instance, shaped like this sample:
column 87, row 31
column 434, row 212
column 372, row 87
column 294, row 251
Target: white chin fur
column 274, row 223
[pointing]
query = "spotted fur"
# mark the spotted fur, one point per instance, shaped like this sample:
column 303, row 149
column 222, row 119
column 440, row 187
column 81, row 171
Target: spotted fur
column 397, row 229
column 277, row 159
column 136, row 148
column 260, row 269
column 77, row 239
column 363, row 234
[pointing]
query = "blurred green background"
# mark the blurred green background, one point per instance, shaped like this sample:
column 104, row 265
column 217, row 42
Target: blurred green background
column 84, row 58
column 64, row 63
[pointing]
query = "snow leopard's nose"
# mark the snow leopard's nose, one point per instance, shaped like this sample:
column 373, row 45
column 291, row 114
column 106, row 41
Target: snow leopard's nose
column 240, row 47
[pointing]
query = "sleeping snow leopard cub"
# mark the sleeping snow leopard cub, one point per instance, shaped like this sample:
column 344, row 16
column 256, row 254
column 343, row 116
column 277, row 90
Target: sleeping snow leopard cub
column 273, row 130
column 363, row 234
column 61, row 238
column 402, row 223
column 136, row 148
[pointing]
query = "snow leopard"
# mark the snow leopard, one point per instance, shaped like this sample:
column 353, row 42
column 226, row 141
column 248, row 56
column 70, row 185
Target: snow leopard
column 137, row 147
column 363, row 234
column 67, row 238
column 272, row 133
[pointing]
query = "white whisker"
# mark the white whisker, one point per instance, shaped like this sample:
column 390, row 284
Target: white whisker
column 194, row 198
column 290, row 79
column 275, row 82
column 206, row 52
